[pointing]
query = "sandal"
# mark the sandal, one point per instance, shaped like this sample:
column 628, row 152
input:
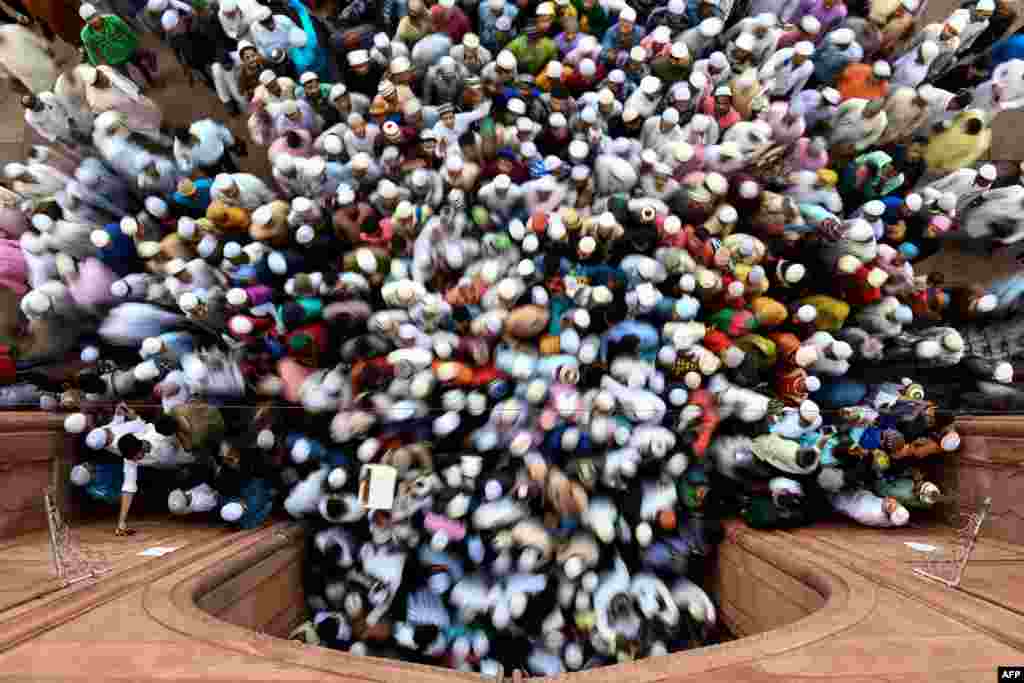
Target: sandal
column 124, row 532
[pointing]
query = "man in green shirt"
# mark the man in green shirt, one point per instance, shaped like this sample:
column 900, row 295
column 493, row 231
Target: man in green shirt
column 106, row 39
column 533, row 50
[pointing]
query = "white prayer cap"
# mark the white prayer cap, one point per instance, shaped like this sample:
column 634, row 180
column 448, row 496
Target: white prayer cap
column 617, row 76
column 528, row 150
column 588, row 68
column 80, row 475
column 502, row 182
column 87, row 12
column 650, row 85
column 357, row 57
column 710, row 27
column 156, row 206
column 261, row 13
column 504, row 23
column 580, row 172
column 169, row 20
column 723, row 91
column 290, row 107
column 338, row 90
column 874, row 208
column 75, row 423
column 332, row 144
column 621, row 146
column 831, row 95
column 649, row 156
column 245, row 45
column 663, row 169
column 554, row 69
column 361, row 161
column 156, row 6
column 745, row 41
column 638, row 54
column 506, row 60
column 909, row 5
column 810, row 24
column 177, row 502
column 988, row 172
column 355, row 119
column 728, row 214
column 552, row 162
column 718, row 60
column 680, row 51
column 947, row 202
column 381, row 41
column 517, row 106
column 345, row 194
column 680, row 92
column 400, row 64
column 766, row 19
column 804, row 48
column 913, row 202
column 496, row 4
column 589, row 115
column 307, row 77
column 717, row 183
column 447, row 4
column 627, row 14
column 387, row 189
column 929, row 50
column 557, row 120
column 662, row 34
column 97, row 439
column 749, row 189
column 670, row 115
column 682, row 151
column 228, row 5
column 604, row 97
column 411, row 106
column 447, row 64
column 471, row 40
column 881, row 69
column 524, row 125
column 578, row 150
column 629, row 114
column 841, row 36
column 108, row 120
column 266, row 76
column 14, row 169
column 232, row 512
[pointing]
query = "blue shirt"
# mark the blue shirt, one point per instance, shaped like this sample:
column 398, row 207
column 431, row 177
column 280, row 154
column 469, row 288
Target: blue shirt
column 1007, row 49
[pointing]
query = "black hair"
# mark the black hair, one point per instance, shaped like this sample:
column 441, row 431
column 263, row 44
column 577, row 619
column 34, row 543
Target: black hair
column 92, row 383
column 165, row 425
column 182, row 133
column 963, row 98
column 130, row 446
column 973, row 127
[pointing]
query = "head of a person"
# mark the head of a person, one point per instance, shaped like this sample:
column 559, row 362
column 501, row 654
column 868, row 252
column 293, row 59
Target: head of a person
column 132, row 447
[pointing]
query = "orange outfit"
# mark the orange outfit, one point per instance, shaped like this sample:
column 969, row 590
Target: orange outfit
column 857, row 80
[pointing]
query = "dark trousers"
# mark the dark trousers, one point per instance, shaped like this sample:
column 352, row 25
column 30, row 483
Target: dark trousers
column 139, row 62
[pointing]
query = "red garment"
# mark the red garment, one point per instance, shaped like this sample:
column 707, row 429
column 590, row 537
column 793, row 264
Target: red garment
column 707, row 106
column 456, row 25
column 578, row 84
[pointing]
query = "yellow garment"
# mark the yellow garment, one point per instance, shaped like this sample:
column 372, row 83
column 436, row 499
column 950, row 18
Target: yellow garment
column 953, row 148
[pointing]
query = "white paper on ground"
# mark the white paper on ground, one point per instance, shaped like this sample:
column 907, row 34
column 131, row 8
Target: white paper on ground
column 921, row 547
column 158, row 551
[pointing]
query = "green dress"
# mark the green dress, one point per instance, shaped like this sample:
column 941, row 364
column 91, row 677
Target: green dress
column 113, row 44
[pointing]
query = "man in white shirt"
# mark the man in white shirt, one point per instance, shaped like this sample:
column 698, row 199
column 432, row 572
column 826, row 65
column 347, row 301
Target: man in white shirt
column 206, row 146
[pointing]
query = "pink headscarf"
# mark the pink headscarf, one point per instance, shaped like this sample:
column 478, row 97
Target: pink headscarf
column 13, row 269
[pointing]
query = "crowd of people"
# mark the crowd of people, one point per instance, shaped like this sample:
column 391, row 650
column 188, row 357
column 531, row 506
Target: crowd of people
column 536, row 294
